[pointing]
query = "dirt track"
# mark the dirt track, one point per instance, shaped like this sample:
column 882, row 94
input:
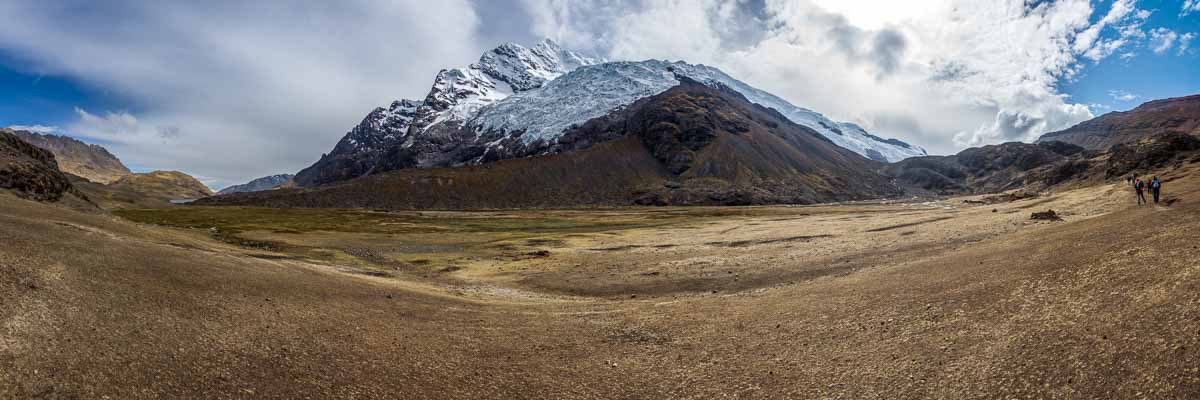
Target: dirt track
column 941, row 300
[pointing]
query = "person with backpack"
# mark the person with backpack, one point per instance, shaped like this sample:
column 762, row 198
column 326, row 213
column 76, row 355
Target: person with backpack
column 1155, row 188
column 1140, row 188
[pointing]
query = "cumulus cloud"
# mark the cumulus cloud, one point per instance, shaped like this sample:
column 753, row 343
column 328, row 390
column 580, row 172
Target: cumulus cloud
column 235, row 89
column 942, row 73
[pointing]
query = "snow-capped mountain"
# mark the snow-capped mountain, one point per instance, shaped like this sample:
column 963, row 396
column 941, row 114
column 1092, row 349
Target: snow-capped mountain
column 358, row 152
column 383, row 127
column 460, row 93
column 258, row 185
column 457, row 95
column 518, row 101
column 593, row 91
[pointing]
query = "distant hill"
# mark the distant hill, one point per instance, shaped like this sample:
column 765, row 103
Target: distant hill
column 694, row 144
column 152, row 189
column 257, row 185
column 89, row 161
column 1176, row 115
column 984, row 169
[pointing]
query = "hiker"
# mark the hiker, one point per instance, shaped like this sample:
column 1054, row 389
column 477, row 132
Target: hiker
column 1140, row 188
column 1155, row 187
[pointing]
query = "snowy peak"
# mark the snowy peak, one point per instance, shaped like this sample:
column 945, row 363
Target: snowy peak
column 529, row 68
column 460, row 93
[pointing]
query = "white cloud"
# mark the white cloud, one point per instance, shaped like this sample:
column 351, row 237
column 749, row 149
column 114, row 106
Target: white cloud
column 1162, row 40
column 1185, row 42
column 1091, row 45
column 944, row 74
column 1189, row 6
column 42, row 129
column 238, row 89
column 1122, row 95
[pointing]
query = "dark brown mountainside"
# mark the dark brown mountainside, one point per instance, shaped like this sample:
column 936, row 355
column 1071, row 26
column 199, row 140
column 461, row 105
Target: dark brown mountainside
column 986, row 169
column 691, row 145
column 363, row 149
column 89, row 161
column 1177, row 115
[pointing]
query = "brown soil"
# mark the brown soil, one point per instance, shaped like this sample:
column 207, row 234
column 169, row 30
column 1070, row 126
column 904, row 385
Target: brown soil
column 812, row 302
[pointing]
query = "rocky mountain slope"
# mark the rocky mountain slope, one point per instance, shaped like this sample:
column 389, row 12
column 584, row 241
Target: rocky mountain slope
column 694, row 144
column 260, row 184
column 456, row 95
column 30, row 171
column 89, row 161
column 990, row 168
column 518, row 102
column 1175, row 115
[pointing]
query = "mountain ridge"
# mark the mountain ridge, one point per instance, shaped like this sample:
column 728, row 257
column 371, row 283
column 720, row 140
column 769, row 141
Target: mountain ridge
column 1171, row 115
column 518, row 102
column 259, row 184
column 694, row 144
column 90, row 161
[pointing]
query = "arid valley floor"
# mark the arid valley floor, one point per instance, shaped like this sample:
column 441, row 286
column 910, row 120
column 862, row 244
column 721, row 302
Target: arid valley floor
column 940, row 299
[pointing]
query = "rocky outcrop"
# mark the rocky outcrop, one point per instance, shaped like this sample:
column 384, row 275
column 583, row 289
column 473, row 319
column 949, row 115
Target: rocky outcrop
column 1149, row 154
column 30, row 171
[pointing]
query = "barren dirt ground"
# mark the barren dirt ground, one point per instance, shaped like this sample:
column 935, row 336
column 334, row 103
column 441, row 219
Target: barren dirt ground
column 905, row 300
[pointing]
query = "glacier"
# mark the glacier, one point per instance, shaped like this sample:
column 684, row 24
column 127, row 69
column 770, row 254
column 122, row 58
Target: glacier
column 591, row 91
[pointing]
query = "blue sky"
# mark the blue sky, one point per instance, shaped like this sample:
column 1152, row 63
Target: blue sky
column 232, row 90
column 1147, row 75
column 29, row 98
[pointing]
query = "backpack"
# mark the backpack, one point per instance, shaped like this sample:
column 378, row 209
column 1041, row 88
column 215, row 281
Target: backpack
column 1138, row 185
column 1155, row 184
